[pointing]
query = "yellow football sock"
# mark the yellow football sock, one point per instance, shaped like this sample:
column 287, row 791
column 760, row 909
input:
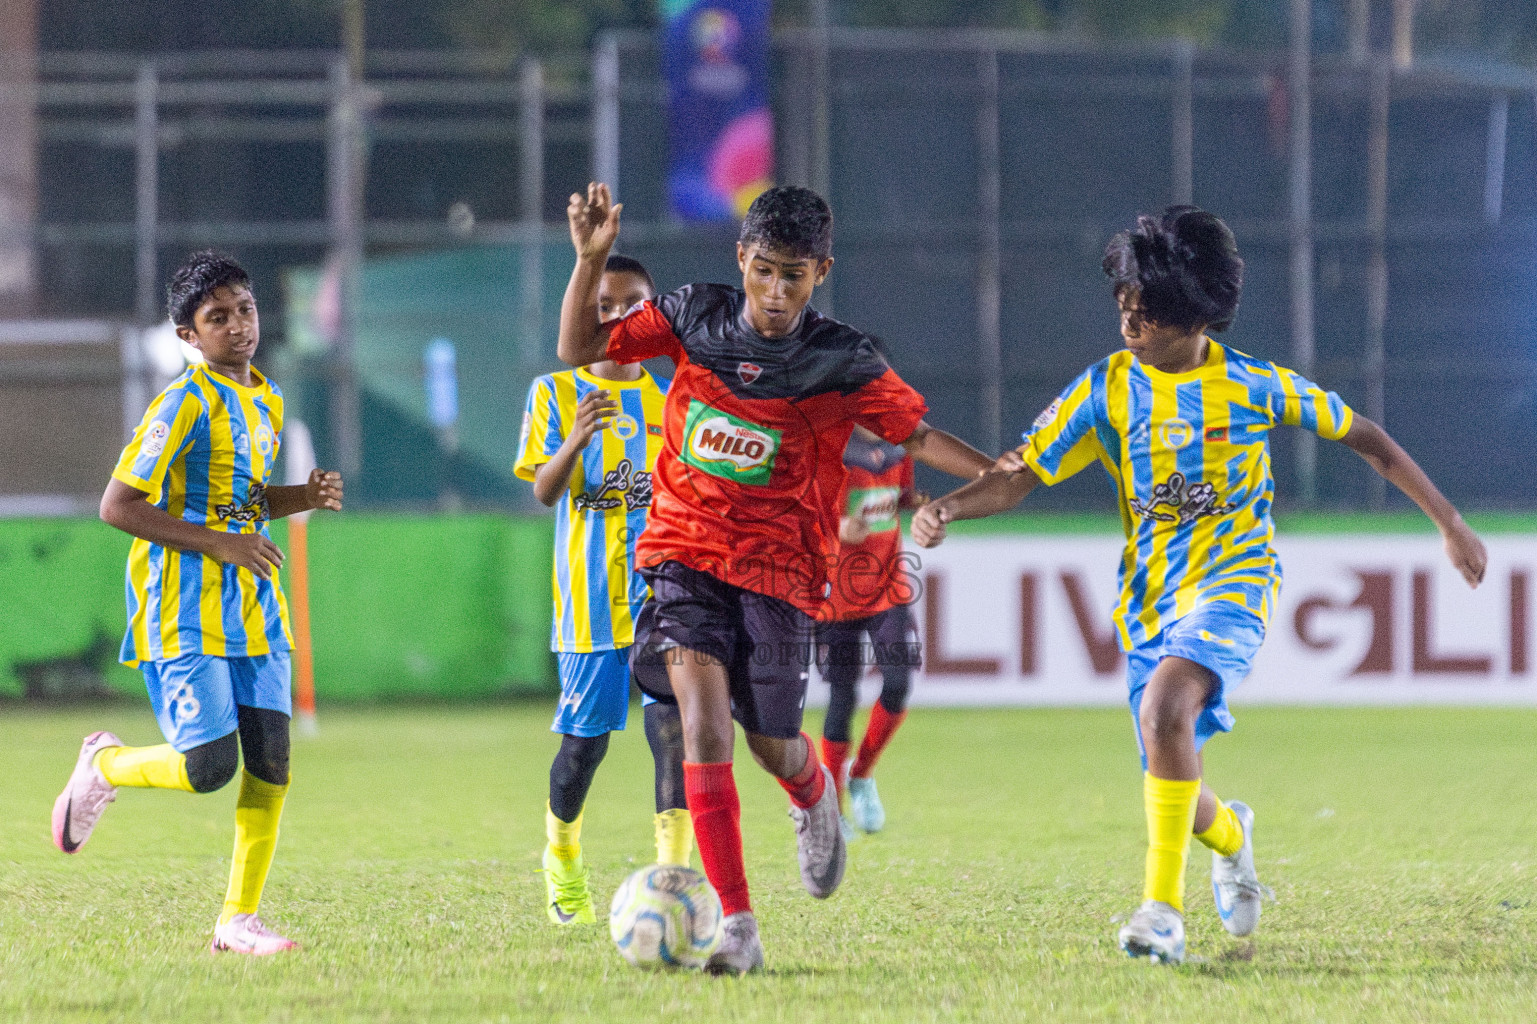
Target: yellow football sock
column 1170, row 805
column 674, row 837
column 1225, row 835
column 160, row 767
column 565, row 836
column 256, row 838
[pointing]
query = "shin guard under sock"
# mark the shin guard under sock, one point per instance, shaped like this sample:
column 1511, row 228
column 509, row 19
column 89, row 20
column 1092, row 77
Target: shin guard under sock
column 717, row 813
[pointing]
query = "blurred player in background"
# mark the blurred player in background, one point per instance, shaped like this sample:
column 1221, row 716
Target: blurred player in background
column 590, row 439
column 765, row 396
column 869, row 597
column 1181, row 424
column 207, row 621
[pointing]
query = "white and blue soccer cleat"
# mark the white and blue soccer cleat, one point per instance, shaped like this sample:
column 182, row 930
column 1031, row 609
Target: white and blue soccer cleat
column 865, row 805
column 1234, row 884
column 1156, row 931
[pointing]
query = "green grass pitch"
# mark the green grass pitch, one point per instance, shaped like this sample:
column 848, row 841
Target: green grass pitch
column 1401, row 844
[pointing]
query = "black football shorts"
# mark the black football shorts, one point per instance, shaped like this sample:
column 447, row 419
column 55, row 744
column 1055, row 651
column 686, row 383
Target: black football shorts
column 766, row 645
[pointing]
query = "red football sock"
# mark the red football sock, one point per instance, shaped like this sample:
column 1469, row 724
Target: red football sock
column 717, row 813
column 834, row 754
column 883, row 725
column 807, row 785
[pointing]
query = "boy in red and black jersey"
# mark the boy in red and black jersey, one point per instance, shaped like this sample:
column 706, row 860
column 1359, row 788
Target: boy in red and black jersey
column 870, row 597
column 765, row 396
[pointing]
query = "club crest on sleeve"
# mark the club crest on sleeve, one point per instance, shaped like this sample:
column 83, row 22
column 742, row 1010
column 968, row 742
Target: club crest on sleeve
column 1048, row 413
column 155, row 437
column 749, row 372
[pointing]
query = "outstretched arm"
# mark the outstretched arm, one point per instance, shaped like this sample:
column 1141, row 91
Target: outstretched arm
column 594, row 221
column 1383, row 454
column 946, row 453
column 995, row 491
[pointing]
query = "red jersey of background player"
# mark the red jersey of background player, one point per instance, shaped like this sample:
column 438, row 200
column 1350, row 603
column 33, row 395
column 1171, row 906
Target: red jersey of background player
column 753, row 430
column 869, row 577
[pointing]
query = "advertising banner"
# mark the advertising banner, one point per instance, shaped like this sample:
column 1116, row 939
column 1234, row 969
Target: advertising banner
column 1362, row 619
column 715, row 57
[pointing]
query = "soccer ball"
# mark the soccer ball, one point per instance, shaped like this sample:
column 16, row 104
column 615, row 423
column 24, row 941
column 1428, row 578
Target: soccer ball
column 665, row 917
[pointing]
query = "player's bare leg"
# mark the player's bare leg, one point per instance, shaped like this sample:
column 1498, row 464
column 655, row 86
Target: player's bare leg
column 1179, row 804
column 1171, row 792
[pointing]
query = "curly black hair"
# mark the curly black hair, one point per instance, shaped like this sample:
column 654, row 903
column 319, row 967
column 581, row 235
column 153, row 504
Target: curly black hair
column 1184, row 266
column 792, row 220
column 200, row 275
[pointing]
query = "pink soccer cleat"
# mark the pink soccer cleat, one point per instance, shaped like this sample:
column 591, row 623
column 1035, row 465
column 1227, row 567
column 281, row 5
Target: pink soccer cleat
column 85, row 796
column 245, row 933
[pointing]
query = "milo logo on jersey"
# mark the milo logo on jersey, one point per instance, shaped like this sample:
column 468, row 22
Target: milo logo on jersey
column 877, row 506
column 727, row 446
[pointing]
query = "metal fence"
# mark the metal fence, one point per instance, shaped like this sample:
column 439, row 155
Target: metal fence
column 1389, row 230
column 975, row 176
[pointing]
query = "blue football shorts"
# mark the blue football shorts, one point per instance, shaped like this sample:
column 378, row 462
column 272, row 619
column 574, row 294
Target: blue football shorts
column 195, row 695
column 594, row 693
column 1222, row 637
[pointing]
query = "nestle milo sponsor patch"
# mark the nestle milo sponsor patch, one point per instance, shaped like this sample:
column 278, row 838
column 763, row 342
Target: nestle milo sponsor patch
column 877, row 506
column 728, row 446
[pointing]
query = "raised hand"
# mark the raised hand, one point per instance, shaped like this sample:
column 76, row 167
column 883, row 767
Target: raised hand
column 594, row 220
column 249, row 550
column 324, row 490
column 594, row 412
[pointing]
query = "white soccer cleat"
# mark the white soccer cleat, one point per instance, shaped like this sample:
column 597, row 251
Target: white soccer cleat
column 865, row 805
column 85, row 796
column 819, row 841
column 1234, row 883
column 740, row 951
column 245, row 933
column 1156, row 931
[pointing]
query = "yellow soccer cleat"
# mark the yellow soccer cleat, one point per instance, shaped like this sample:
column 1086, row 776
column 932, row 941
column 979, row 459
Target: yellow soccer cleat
column 565, row 889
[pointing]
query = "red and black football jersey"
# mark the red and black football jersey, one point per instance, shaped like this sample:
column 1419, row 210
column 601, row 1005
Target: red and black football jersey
column 869, row 577
column 753, row 436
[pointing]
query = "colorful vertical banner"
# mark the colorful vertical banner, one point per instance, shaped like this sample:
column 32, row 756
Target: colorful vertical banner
column 715, row 57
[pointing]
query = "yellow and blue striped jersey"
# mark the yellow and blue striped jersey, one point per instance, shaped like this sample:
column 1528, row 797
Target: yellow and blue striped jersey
column 204, row 452
column 1190, row 457
column 601, row 515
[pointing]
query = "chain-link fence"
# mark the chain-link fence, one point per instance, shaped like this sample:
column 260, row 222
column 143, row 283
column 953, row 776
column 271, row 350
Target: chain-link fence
column 975, row 178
